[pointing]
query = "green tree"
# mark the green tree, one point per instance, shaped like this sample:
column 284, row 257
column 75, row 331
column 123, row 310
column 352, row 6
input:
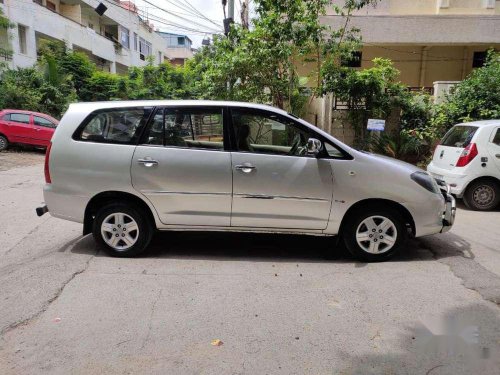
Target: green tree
column 475, row 98
column 260, row 64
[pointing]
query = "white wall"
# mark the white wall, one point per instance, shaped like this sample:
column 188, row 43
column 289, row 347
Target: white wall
column 43, row 22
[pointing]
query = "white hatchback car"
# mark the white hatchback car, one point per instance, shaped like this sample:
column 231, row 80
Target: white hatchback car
column 468, row 160
column 126, row 169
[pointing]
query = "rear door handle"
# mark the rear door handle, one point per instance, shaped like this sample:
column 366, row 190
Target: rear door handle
column 245, row 168
column 148, row 162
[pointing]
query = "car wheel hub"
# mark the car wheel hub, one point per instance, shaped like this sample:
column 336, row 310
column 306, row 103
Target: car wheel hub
column 2, row 143
column 376, row 234
column 120, row 231
column 483, row 195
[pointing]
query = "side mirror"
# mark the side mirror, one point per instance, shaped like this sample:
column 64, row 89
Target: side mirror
column 314, row 146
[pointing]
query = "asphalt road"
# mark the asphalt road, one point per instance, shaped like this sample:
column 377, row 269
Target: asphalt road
column 279, row 304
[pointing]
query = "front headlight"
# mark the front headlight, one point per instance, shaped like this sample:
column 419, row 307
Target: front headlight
column 426, row 181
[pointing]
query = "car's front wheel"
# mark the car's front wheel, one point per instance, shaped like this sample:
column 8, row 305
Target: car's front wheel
column 122, row 230
column 374, row 234
column 4, row 143
column 482, row 195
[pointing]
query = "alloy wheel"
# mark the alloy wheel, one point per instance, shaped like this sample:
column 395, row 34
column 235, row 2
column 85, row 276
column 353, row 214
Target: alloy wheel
column 376, row 234
column 120, row 231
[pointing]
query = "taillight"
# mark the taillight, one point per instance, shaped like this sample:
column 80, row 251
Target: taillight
column 469, row 153
column 46, row 168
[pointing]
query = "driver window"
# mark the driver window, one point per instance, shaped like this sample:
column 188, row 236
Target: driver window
column 268, row 134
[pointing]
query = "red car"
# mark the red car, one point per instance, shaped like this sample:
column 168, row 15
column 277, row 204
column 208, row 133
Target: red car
column 25, row 127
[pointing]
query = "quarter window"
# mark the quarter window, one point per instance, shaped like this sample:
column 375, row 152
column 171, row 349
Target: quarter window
column 496, row 139
column 121, row 125
column 268, row 134
column 40, row 121
column 20, row 117
column 187, row 128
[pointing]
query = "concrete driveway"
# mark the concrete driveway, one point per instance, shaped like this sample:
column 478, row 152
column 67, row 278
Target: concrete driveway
column 279, row 304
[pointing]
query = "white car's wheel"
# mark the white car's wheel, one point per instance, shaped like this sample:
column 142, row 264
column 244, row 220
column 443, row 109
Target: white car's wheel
column 374, row 234
column 122, row 230
column 482, row 195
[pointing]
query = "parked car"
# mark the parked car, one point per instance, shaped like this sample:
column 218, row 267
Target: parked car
column 26, row 128
column 468, row 159
column 126, row 169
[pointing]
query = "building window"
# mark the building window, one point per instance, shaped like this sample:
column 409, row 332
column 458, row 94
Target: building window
column 124, row 37
column 145, row 48
column 159, row 57
column 354, row 61
column 22, row 39
column 51, row 6
column 181, row 41
column 135, row 42
column 479, row 59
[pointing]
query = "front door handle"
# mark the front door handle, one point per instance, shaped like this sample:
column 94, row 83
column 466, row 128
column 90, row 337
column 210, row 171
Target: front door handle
column 245, row 168
column 148, row 162
column 497, row 156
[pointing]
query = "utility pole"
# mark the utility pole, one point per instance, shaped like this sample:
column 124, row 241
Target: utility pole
column 230, row 9
column 244, row 14
column 230, row 15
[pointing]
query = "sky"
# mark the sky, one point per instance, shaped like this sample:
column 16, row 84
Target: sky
column 181, row 14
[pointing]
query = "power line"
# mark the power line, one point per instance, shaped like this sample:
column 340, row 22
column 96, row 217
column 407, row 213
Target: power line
column 191, row 10
column 180, row 17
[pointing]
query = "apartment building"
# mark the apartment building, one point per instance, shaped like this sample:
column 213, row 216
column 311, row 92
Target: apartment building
column 178, row 47
column 433, row 43
column 428, row 40
column 110, row 32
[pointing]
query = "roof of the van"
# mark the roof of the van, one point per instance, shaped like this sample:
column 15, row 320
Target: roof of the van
column 91, row 106
column 482, row 123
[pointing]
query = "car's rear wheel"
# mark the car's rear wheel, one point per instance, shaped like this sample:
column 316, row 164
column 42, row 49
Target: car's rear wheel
column 374, row 234
column 482, row 195
column 4, row 143
column 122, row 230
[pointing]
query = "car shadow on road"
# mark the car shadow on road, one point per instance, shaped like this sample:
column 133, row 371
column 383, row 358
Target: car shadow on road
column 230, row 246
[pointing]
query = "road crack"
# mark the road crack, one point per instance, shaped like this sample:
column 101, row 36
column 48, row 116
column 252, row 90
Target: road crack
column 47, row 304
column 472, row 275
column 150, row 323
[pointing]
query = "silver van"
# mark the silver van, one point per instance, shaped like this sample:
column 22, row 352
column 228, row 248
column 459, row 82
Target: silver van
column 126, row 169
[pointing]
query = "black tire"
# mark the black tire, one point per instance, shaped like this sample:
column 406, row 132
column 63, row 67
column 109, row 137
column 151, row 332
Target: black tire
column 4, row 143
column 142, row 236
column 355, row 220
column 482, row 195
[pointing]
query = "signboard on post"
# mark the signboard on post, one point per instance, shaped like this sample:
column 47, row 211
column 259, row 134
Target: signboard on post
column 376, row 124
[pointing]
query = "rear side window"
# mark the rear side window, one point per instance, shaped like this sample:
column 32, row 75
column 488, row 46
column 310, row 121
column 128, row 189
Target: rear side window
column 496, row 138
column 187, row 128
column 459, row 136
column 122, row 125
column 20, row 117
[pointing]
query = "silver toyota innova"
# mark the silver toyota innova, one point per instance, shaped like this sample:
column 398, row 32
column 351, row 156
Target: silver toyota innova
column 126, row 169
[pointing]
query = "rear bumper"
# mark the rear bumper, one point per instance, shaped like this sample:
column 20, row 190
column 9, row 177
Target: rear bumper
column 457, row 182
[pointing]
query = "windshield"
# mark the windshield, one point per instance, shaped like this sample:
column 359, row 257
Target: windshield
column 459, row 136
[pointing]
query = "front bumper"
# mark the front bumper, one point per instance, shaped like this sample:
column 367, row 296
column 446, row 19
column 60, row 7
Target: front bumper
column 450, row 206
